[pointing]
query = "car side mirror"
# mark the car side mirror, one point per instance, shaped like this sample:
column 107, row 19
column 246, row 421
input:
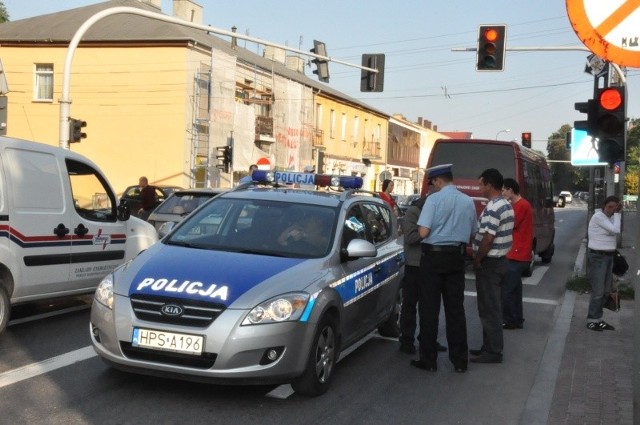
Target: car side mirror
column 358, row 248
column 123, row 211
column 165, row 228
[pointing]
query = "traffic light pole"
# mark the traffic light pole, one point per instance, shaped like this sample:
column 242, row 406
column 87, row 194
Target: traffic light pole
column 65, row 101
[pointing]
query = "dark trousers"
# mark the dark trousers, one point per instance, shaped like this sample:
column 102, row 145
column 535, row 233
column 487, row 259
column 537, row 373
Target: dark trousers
column 512, row 293
column 409, row 310
column 442, row 277
column 489, row 282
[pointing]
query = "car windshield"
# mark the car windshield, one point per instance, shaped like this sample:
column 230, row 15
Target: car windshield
column 259, row 227
column 183, row 203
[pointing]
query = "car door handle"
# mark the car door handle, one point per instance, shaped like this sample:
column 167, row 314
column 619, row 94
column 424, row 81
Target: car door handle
column 61, row 231
column 81, row 230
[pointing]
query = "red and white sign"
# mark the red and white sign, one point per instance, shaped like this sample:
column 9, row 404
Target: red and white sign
column 609, row 28
column 263, row 163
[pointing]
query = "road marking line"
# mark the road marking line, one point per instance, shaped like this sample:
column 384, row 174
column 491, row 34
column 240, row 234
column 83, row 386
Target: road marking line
column 35, row 369
column 47, row 315
column 524, row 299
column 534, row 279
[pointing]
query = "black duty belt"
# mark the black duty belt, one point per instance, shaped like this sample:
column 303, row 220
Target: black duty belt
column 596, row 251
column 444, row 248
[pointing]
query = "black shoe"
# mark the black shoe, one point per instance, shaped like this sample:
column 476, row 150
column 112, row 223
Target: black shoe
column 476, row 352
column 594, row 326
column 441, row 347
column 424, row 365
column 408, row 348
column 510, row 326
column 487, row 358
column 606, row 327
column 460, row 369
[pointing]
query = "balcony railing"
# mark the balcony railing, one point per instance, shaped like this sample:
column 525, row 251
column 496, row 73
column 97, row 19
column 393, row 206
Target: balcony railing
column 371, row 150
column 318, row 138
column 264, row 125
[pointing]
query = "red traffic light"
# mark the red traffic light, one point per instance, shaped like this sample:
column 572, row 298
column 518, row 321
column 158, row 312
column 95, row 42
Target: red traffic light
column 491, row 47
column 491, row 35
column 610, row 99
column 526, row 139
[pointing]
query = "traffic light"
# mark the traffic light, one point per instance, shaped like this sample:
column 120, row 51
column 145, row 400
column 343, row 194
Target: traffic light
column 491, row 47
column 75, row 130
column 322, row 65
column 526, row 140
column 610, row 118
column 224, row 158
column 372, row 81
column 588, row 125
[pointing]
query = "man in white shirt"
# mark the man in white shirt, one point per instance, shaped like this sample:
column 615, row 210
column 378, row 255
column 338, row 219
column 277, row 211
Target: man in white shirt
column 604, row 228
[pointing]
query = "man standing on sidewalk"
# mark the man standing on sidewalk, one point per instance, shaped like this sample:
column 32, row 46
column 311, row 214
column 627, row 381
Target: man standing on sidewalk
column 604, row 227
column 490, row 246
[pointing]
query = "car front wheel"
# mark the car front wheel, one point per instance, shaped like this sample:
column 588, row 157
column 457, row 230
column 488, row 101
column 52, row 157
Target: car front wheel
column 321, row 362
column 5, row 309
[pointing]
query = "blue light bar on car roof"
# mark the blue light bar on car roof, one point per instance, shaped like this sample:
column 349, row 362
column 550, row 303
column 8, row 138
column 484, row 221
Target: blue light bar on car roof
column 322, row 180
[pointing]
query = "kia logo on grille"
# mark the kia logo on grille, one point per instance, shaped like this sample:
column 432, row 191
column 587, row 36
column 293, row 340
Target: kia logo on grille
column 172, row 310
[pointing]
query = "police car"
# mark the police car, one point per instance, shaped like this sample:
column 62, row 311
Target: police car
column 263, row 284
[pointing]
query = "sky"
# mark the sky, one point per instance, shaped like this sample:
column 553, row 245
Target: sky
column 423, row 77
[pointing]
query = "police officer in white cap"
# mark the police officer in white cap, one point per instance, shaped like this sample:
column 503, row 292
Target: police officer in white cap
column 446, row 224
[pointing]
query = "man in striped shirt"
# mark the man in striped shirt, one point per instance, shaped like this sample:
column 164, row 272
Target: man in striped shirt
column 490, row 246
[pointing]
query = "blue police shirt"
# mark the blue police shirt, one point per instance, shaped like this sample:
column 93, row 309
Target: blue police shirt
column 451, row 216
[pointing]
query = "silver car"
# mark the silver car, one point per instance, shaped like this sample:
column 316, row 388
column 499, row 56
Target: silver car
column 180, row 204
column 265, row 284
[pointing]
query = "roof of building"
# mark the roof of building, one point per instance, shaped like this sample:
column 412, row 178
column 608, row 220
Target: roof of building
column 458, row 134
column 59, row 28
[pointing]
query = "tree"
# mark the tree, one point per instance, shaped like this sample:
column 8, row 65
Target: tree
column 562, row 172
column 632, row 168
column 4, row 15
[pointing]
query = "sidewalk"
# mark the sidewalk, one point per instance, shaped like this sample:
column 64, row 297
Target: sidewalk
column 595, row 380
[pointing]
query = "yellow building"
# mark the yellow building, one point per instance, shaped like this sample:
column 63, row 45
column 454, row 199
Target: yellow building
column 160, row 99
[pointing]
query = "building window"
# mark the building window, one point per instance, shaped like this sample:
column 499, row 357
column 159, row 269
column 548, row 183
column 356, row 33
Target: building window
column 319, row 116
column 44, row 82
column 343, row 129
column 356, row 128
column 332, row 124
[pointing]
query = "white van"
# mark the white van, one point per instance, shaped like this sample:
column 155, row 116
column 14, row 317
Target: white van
column 61, row 231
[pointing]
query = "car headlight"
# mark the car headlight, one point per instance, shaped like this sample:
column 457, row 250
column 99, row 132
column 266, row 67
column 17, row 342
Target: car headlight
column 104, row 292
column 287, row 307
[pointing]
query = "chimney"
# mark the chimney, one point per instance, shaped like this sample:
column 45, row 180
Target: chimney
column 155, row 3
column 187, row 10
column 435, row 128
column 234, row 40
column 420, row 121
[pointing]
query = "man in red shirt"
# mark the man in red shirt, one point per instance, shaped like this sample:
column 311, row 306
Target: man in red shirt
column 518, row 257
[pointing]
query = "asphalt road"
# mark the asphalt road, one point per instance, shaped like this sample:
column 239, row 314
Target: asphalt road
column 50, row 375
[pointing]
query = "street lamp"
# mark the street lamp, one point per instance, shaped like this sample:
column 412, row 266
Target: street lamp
column 506, row 130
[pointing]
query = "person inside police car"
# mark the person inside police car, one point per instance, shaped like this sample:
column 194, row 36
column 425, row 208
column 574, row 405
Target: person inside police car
column 311, row 228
